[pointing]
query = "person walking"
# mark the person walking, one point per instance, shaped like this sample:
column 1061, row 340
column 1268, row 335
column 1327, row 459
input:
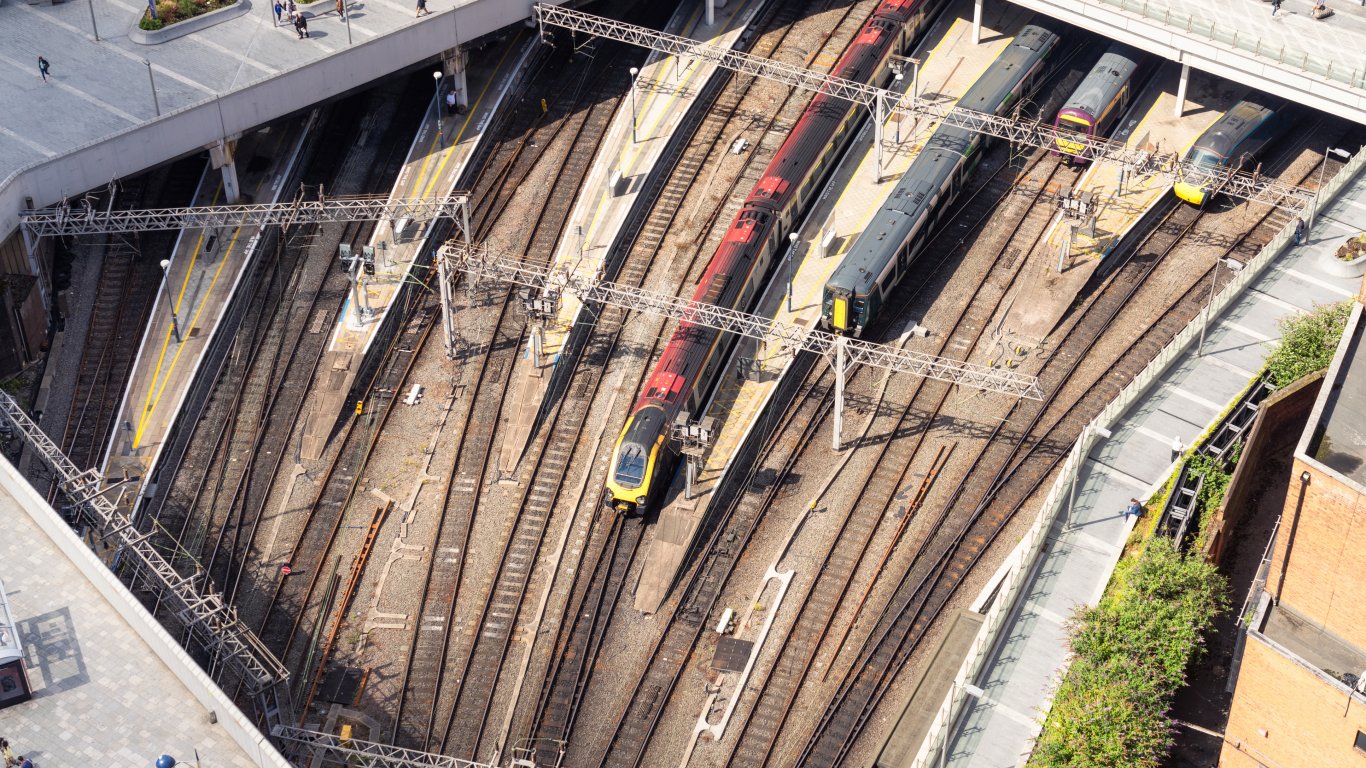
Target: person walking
column 43, row 68
column 301, row 26
column 452, row 106
column 279, row 12
column 422, row 8
column 1299, row 231
column 1275, row 6
column 341, row 9
column 8, row 753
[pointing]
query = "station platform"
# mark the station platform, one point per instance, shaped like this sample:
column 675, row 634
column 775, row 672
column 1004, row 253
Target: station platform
column 950, row 65
column 667, row 88
column 1121, row 201
column 435, row 162
column 110, row 686
column 1080, row 549
column 206, row 267
column 118, row 101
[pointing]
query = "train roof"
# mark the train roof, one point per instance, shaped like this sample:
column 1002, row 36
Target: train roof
column 999, row 80
column 1234, row 127
column 1106, row 78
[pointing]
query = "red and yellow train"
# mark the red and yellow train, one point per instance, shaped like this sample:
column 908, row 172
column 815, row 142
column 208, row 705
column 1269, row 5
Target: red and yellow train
column 645, row 457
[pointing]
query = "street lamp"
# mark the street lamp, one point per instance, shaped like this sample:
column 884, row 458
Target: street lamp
column 170, row 302
column 436, row 105
column 155, row 103
column 899, row 77
column 1314, row 209
column 634, row 72
column 1234, row 266
column 791, row 257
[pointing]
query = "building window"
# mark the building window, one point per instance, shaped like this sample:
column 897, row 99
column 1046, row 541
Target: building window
column 1360, row 742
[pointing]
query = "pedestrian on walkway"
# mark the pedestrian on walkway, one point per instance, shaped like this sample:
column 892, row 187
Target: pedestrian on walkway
column 452, row 106
column 42, row 68
column 301, row 26
column 24, row 762
column 279, row 12
column 1299, row 231
column 8, row 753
column 341, row 9
column 292, row 9
column 422, row 8
column 1275, row 6
column 1135, row 509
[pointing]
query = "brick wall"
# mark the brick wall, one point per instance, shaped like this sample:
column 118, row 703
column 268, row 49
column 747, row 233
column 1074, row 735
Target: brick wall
column 1324, row 573
column 1301, row 715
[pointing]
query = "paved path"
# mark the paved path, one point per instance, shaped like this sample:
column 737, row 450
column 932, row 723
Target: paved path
column 103, row 696
column 1084, row 545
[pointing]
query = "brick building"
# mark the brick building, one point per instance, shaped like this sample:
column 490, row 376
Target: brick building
column 1298, row 700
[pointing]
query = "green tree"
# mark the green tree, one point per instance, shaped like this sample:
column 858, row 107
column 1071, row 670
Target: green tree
column 1308, row 342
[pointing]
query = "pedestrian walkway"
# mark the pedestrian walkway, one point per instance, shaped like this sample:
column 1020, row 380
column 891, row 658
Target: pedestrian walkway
column 1083, row 544
column 435, row 162
column 85, row 124
column 200, row 281
column 1311, row 61
column 666, row 88
column 951, row 63
column 110, row 686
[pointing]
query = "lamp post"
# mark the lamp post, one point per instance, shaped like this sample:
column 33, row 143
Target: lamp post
column 93, row 25
column 634, row 72
column 1234, row 266
column 170, row 302
column 791, row 257
column 899, row 77
column 155, row 103
column 346, row 17
column 1314, row 209
column 436, row 105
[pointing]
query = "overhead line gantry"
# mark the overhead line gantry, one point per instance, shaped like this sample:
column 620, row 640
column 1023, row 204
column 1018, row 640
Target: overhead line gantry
column 84, row 218
column 882, row 103
column 843, row 352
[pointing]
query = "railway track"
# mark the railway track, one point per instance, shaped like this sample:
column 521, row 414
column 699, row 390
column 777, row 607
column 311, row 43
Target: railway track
column 1012, row 470
column 897, row 452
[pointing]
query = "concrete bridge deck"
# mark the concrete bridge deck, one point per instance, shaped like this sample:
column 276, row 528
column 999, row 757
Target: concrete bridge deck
column 95, row 117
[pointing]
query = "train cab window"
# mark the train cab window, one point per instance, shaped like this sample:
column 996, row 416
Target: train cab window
column 1205, row 159
column 631, row 467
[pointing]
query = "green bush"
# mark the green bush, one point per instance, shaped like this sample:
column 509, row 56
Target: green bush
column 150, row 23
column 1130, row 655
column 1308, row 342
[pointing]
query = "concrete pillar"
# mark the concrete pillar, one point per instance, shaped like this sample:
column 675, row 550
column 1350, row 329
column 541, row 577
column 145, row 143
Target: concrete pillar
column 456, row 61
column 221, row 155
column 976, row 22
column 711, row 12
column 1181, row 89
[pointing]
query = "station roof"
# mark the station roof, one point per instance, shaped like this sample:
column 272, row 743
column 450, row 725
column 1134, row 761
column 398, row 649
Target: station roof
column 111, row 687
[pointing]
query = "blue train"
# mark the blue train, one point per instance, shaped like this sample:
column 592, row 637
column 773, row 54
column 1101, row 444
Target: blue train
column 1236, row 138
column 894, row 237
